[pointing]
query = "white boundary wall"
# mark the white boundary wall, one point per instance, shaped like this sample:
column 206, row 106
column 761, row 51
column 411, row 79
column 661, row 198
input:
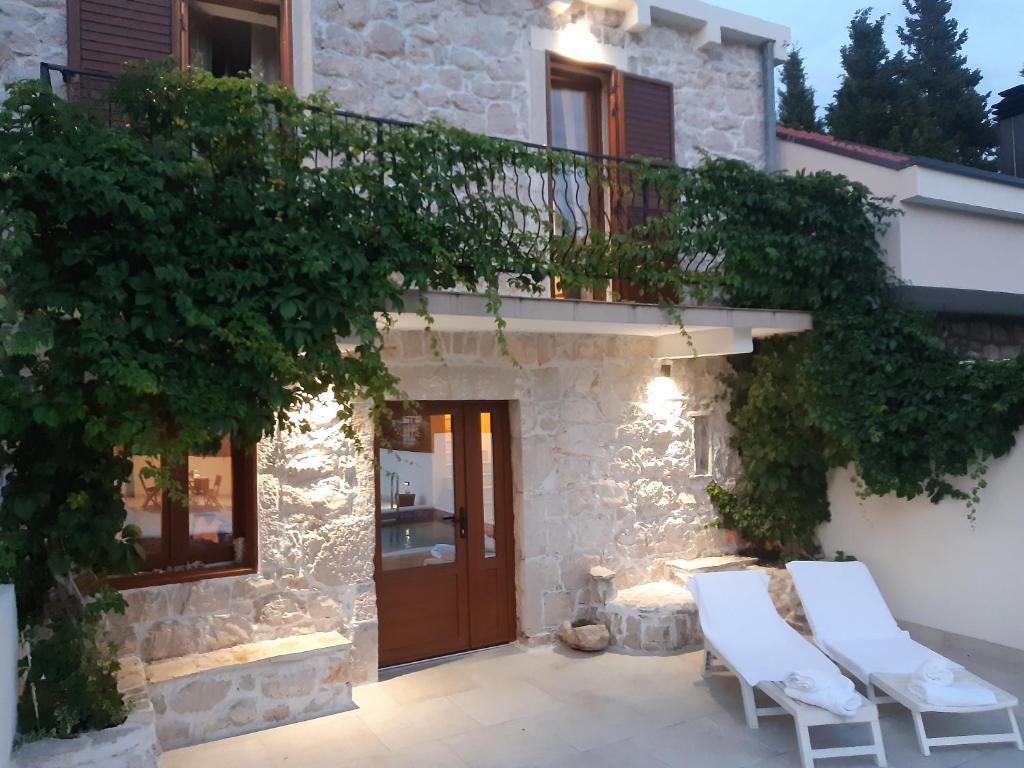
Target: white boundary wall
column 932, row 567
column 8, row 672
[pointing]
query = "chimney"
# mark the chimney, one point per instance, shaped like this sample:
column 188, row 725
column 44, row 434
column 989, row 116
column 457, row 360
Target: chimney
column 1009, row 114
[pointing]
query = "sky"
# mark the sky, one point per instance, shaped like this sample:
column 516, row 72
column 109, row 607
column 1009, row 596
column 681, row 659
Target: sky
column 994, row 41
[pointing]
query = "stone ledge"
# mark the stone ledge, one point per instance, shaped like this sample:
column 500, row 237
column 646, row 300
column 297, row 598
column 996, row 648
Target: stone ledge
column 284, row 649
column 659, row 617
column 682, row 570
column 657, row 596
column 133, row 744
column 213, row 695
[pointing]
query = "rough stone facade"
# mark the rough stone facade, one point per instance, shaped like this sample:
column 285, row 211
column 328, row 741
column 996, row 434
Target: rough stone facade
column 602, row 460
column 468, row 63
column 31, row 31
column 229, row 692
column 603, row 475
column 982, row 336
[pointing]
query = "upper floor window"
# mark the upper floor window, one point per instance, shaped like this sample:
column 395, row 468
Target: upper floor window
column 225, row 36
column 598, row 110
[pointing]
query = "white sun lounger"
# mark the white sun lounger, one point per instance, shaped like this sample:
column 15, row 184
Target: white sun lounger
column 853, row 625
column 743, row 630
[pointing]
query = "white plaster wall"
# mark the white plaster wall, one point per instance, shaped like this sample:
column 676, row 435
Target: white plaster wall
column 932, row 566
column 977, row 247
column 956, row 249
column 8, row 672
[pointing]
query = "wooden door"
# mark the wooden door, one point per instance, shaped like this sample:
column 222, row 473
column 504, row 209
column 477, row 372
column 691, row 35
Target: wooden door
column 444, row 530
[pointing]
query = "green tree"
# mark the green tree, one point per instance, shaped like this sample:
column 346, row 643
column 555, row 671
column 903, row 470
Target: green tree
column 864, row 106
column 945, row 116
column 796, row 97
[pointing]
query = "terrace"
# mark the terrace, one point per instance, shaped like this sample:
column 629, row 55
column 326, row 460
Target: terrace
column 512, row 707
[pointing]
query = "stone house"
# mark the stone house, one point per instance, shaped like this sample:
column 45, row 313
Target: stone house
column 294, row 574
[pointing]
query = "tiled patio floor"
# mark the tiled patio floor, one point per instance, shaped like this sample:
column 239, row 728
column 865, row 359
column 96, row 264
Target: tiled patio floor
column 546, row 707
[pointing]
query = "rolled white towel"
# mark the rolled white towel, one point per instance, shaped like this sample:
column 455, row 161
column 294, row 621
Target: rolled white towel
column 811, row 680
column 840, row 702
column 934, row 672
column 445, row 552
column 955, row 695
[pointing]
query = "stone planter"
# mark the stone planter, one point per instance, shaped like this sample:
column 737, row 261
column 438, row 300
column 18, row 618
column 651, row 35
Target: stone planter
column 132, row 744
column 590, row 637
column 8, row 672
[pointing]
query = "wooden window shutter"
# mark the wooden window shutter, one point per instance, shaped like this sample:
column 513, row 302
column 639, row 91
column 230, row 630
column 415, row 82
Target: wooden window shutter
column 104, row 34
column 643, row 124
column 644, row 117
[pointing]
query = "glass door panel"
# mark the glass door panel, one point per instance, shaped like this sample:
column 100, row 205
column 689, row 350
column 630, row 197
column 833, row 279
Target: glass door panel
column 418, row 514
column 489, row 529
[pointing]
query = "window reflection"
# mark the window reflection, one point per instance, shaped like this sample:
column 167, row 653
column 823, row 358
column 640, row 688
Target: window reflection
column 417, row 492
column 144, row 503
column 487, row 462
column 210, row 509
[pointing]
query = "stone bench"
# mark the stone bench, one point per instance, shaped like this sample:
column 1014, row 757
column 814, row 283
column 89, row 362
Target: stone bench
column 206, row 696
column 661, row 616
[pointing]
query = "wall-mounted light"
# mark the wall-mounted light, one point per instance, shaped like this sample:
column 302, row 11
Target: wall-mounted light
column 663, row 397
column 558, row 7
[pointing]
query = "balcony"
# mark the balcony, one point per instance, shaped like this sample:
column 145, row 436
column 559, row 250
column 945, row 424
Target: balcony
column 593, row 215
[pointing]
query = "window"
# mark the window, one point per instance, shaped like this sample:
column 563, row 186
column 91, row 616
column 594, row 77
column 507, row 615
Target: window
column 230, row 37
column 577, row 116
column 212, row 526
column 225, row 36
column 701, row 445
column 598, row 110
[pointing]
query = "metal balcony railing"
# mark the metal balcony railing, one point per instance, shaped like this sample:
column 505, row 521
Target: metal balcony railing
column 562, row 201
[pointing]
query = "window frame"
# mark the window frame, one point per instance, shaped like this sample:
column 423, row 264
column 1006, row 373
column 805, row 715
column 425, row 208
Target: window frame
column 595, row 81
column 174, row 540
column 284, row 30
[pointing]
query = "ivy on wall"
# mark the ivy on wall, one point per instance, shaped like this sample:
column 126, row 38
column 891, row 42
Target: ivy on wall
column 187, row 272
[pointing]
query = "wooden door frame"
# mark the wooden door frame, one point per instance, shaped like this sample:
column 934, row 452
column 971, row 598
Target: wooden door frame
column 469, row 485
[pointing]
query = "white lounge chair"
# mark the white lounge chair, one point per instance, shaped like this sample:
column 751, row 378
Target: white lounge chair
column 743, row 630
column 854, row 626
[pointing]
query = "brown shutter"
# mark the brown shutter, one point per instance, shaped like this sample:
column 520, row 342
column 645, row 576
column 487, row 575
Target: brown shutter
column 643, row 123
column 104, row 34
column 644, row 117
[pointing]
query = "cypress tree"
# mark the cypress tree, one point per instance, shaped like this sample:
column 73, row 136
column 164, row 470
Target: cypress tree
column 796, row 97
column 945, row 116
column 864, row 107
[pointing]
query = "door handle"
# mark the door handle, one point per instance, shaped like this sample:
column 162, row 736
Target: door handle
column 461, row 521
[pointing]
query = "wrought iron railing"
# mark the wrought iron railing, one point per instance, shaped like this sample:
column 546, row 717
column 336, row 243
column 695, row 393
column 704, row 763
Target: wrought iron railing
column 563, row 201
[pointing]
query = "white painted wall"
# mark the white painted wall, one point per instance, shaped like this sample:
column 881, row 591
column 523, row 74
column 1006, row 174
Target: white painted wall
column 932, row 567
column 955, row 231
column 8, row 672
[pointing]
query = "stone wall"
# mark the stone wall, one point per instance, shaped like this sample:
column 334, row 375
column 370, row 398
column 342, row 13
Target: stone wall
column 468, row 63
column 31, row 31
column 602, row 472
column 602, row 460
column 133, row 744
column 982, row 336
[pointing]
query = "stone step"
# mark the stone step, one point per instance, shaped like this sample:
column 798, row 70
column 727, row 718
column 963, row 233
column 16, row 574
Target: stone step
column 206, row 696
column 681, row 570
column 659, row 617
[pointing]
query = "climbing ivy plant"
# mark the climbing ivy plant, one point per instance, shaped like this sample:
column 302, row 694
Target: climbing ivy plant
column 186, row 270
